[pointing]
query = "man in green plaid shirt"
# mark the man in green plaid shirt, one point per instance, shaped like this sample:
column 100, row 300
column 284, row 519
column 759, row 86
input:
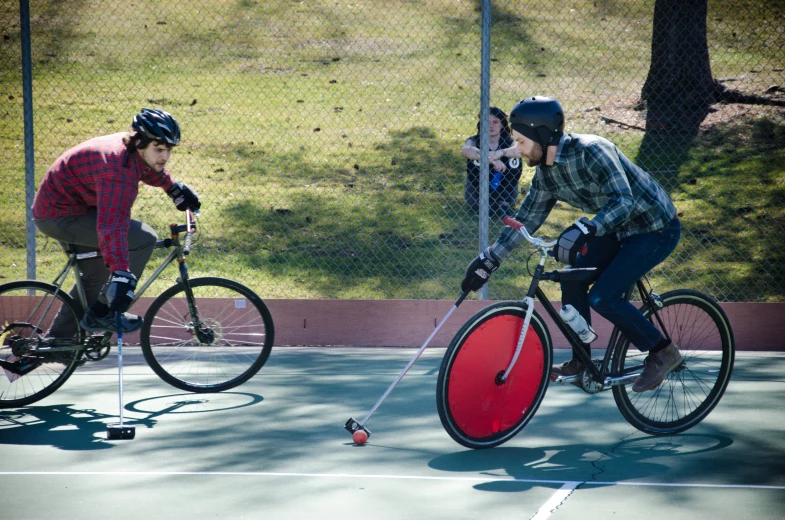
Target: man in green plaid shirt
column 634, row 227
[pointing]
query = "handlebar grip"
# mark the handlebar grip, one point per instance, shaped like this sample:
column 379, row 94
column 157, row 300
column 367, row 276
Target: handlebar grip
column 509, row 221
column 190, row 218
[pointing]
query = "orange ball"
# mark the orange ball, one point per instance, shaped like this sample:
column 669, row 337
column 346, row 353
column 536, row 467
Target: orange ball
column 360, row 437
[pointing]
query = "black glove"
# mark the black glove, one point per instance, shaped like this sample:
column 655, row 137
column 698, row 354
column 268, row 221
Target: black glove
column 184, row 196
column 120, row 292
column 479, row 271
column 573, row 240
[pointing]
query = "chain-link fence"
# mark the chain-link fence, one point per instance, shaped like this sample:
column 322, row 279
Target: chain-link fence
column 325, row 137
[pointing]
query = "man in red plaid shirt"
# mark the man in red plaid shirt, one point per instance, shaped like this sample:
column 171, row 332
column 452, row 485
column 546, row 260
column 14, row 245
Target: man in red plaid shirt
column 85, row 201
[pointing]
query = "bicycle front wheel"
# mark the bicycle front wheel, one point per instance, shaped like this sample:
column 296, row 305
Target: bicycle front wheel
column 476, row 408
column 35, row 358
column 214, row 342
column 700, row 329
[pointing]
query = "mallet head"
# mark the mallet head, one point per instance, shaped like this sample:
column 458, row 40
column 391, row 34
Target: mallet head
column 120, row 431
column 352, row 425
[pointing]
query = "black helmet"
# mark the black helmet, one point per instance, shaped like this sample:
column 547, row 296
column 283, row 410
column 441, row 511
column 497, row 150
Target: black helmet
column 539, row 118
column 157, row 125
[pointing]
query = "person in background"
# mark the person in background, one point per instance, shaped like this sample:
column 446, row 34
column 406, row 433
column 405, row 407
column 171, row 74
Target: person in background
column 85, row 201
column 505, row 171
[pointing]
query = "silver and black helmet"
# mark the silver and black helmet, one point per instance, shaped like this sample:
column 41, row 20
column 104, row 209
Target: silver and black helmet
column 157, row 125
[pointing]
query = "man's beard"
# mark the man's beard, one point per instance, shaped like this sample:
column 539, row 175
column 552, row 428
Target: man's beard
column 155, row 167
column 536, row 155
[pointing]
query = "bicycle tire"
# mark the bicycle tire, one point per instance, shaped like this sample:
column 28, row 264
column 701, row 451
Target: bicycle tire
column 238, row 326
column 703, row 334
column 39, row 374
column 474, row 409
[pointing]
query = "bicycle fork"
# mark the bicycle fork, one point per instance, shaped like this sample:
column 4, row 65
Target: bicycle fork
column 204, row 334
column 529, row 302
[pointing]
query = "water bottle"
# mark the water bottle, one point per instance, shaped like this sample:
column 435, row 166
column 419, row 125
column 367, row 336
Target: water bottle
column 496, row 180
column 577, row 323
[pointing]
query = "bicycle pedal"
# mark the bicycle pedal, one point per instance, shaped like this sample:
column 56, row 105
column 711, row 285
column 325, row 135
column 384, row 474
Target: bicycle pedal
column 20, row 367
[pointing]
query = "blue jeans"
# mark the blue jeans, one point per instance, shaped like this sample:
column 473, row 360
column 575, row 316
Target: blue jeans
column 620, row 263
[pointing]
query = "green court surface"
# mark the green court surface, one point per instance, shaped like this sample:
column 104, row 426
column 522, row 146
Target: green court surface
column 275, row 448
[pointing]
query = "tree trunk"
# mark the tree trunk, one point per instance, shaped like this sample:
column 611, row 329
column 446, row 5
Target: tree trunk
column 679, row 87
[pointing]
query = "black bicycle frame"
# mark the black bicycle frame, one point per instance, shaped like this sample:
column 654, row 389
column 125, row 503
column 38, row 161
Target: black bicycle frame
column 598, row 374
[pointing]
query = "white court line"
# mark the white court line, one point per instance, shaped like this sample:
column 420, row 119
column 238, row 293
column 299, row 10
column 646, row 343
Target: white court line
column 555, row 501
column 389, row 477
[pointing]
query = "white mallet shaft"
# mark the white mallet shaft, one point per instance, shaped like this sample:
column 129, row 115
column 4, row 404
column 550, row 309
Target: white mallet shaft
column 416, row 356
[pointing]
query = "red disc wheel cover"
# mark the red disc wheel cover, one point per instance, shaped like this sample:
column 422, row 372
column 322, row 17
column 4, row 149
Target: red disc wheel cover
column 480, row 407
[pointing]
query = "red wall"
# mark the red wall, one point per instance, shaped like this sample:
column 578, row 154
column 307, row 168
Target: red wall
column 756, row 326
column 408, row 323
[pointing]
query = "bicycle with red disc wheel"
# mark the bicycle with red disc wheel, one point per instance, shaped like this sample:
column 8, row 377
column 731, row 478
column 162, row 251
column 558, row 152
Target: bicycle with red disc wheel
column 496, row 370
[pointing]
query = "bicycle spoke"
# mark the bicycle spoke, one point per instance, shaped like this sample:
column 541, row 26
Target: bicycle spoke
column 31, row 309
column 700, row 330
column 225, row 346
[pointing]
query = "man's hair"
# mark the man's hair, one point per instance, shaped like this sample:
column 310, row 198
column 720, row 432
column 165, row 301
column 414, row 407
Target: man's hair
column 133, row 140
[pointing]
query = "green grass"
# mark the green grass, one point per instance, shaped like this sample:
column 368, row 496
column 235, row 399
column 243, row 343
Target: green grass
column 324, row 138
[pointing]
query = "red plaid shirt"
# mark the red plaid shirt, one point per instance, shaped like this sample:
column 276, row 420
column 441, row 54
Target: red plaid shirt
column 100, row 174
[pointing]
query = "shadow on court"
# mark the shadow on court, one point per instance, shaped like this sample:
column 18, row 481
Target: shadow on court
column 70, row 428
column 59, row 426
column 275, row 447
column 635, row 458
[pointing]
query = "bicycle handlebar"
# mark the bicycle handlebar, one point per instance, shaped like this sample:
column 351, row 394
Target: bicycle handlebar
column 536, row 242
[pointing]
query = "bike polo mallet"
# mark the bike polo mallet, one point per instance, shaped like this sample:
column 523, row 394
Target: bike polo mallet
column 360, row 433
column 120, row 430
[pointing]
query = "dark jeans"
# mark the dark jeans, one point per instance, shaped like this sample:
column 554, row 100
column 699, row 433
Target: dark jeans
column 621, row 263
column 80, row 231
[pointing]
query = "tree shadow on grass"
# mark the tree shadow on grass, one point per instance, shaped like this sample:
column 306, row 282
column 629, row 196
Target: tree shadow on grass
column 402, row 213
column 727, row 184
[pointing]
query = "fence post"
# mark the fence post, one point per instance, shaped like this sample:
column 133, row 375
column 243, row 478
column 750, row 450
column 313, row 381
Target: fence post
column 485, row 88
column 27, row 103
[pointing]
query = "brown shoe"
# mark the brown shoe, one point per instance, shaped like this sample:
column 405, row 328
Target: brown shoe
column 655, row 367
column 568, row 368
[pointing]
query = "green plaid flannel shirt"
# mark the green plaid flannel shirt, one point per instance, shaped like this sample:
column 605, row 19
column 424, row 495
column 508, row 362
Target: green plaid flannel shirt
column 593, row 175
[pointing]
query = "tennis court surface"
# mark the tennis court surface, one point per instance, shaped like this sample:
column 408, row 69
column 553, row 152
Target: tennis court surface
column 275, row 448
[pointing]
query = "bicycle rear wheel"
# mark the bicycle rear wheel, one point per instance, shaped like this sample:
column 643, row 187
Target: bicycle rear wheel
column 29, row 367
column 228, row 343
column 476, row 409
column 701, row 330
